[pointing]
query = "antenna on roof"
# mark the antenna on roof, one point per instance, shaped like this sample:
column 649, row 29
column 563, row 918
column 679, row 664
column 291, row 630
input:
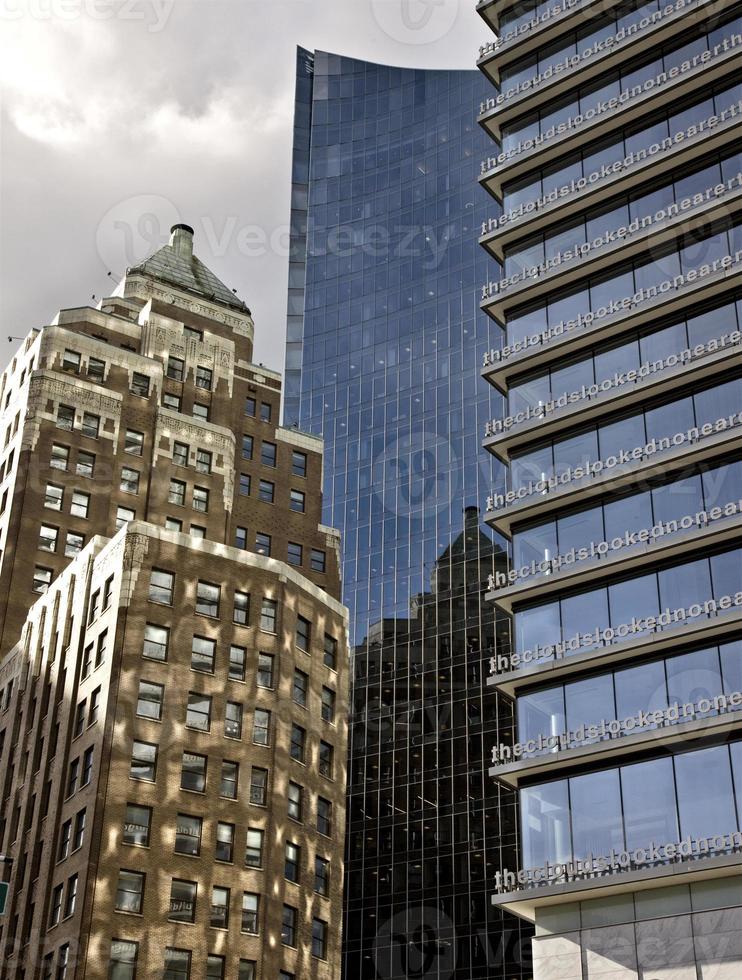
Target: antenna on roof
column 11, row 339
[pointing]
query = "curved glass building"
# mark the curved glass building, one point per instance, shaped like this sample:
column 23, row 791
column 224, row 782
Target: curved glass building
column 615, row 240
column 385, row 343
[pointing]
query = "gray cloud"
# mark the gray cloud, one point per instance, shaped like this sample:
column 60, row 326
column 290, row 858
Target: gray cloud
column 119, row 116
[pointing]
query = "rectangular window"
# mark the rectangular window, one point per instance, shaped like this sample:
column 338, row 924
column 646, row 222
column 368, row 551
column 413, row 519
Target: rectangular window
column 237, row 661
column 90, row 425
column 319, row 939
column 96, row 369
column 80, row 505
column 263, row 544
column 75, row 769
column 48, row 537
column 240, row 538
column 203, row 654
column 214, row 963
column 298, row 743
column 266, row 412
column 303, row 633
column 298, row 463
column 267, row 491
column 137, row 823
column 241, row 608
column 265, row 670
column 66, row 418
column 140, row 384
column 100, row 647
column 296, row 802
column 203, row 461
column 288, row 926
column 244, row 484
column 258, row 786
column 85, row 465
column 180, row 453
column 230, row 779
column 129, row 480
column 321, row 876
column 298, row 501
column 331, row 652
column 233, row 720
column 173, row 524
column 60, row 457
column 95, row 698
column 318, row 560
column 295, row 553
column 300, row 690
column 193, row 772
column 268, row 453
column 219, row 912
column 201, row 499
column 254, row 848
column 250, row 912
column 182, row 901
column 247, row 447
column 149, row 700
column 71, row 361
column 63, row 960
column 55, row 909
column 177, row 493
column 156, row 639
column 65, row 837
column 87, row 661
column 204, row 378
column 173, row 402
column 200, row 411
column 224, row 850
column 175, row 368
column 292, row 861
column 73, row 544
column 177, row 964
column 79, row 835
column 250, row 407
column 198, row 712
column 143, row 761
column 328, row 705
column 326, row 760
column 134, row 442
column 123, row 516
column 197, row 532
column 129, row 892
column 192, row 333
column 108, row 591
column 53, row 497
column 93, row 608
column 123, row 959
column 188, row 834
column 324, row 817
column 207, row 599
column 268, row 615
column 161, row 587
column 247, row 970
column 42, row 579
column 261, row 732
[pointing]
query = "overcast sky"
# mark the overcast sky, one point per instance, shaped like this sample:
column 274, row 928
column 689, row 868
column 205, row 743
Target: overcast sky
column 120, row 117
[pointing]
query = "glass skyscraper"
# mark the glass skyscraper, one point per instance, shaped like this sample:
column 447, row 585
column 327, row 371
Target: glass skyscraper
column 385, row 343
column 616, row 270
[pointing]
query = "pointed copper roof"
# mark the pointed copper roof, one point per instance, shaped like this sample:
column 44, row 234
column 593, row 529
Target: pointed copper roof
column 176, row 264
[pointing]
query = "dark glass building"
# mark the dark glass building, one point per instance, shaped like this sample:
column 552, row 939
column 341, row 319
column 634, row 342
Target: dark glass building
column 385, row 342
column 615, row 242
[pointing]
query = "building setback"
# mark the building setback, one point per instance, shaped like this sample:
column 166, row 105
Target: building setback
column 384, row 342
column 174, row 676
column 617, row 253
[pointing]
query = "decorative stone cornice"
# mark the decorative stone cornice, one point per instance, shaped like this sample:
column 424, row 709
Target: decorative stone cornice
column 50, row 386
column 163, row 337
column 143, row 286
column 171, row 425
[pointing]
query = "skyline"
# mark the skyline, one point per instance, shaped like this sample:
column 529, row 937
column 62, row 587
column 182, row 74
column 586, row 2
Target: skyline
column 150, row 92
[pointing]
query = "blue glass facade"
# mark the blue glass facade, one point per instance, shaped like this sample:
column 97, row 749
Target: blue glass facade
column 385, row 341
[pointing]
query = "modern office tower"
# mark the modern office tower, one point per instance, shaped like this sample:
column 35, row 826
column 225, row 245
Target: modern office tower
column 383, row 354
column 173, row 713
column 616, row 271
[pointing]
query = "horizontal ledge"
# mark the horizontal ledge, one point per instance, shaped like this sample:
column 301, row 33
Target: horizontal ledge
column 602, row 753
column 525, row 902
column 636, row 557
column 647, row 646
column 503, row 444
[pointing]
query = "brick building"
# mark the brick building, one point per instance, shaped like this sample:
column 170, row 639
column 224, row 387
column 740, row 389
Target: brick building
column 174, row 654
